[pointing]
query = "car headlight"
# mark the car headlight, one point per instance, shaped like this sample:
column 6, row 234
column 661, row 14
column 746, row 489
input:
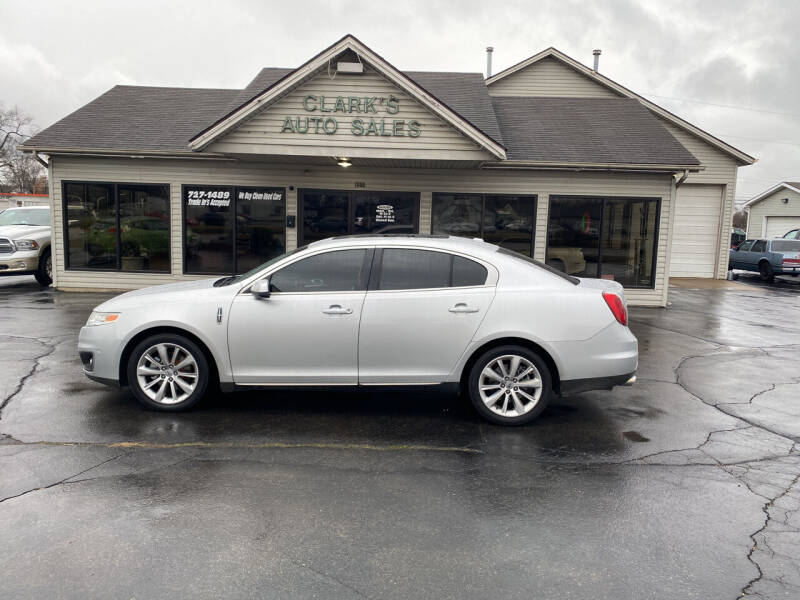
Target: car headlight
column 26, row 245
column 101, row 318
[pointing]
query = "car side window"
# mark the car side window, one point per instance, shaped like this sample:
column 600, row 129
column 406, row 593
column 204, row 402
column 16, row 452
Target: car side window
column 403, row 269
column 760, row 246
column 746, row 245
column 336, row 271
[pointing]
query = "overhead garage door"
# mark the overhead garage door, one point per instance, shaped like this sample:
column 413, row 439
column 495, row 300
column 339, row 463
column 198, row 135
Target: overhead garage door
column 777, row 226
column 695, row 237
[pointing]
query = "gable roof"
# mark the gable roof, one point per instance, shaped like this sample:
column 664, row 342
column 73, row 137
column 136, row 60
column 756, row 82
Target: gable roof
column 320, row 61
column 551, row 52
column 587, row 131
column 789, row 185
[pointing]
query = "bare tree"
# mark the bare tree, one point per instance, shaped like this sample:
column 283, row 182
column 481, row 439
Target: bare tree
column 19, row 171
column 740, row 219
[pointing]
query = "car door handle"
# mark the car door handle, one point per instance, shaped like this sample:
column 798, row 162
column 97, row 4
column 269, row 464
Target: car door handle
column 336, row 309
column 461, row 307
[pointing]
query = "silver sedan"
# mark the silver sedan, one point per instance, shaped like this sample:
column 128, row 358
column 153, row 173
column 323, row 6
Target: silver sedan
column 373, row 311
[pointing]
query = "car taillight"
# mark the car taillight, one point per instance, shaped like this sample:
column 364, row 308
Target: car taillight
column 791, row 261
column 617, row 307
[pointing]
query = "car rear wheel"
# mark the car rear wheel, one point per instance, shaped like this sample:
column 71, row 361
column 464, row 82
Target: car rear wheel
column 168, row 372
column 765, row 270
column 510, row 385
column 44, row 273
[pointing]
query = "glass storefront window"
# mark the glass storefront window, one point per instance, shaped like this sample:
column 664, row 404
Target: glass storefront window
column 260, row 233
column 117, row 226
column 331, row 213
column 612, row 238
column 505, row 220
column 215, row 216
column 144, row 227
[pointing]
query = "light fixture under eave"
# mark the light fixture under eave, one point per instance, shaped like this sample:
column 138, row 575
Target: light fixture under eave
column 343, row 162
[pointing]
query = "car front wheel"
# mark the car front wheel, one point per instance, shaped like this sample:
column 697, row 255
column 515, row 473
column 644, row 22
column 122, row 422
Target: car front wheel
column 510, row 385
column 44, row 273
column 168, row 372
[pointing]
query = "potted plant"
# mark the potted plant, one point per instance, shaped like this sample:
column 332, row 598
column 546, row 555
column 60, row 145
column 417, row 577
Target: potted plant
column 132, row 256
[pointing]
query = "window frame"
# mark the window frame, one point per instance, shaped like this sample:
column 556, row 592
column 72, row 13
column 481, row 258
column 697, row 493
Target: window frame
column 115, row 185
column 234, row 204
column 603, row 199
column 483, row 197
column 352, row 195
column 377, row 268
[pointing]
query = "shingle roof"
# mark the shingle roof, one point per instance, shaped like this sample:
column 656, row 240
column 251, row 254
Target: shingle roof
column 586, row 130
column 138, row 118
column 555, row 130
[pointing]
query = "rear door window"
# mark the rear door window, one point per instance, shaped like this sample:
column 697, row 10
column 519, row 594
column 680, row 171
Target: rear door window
column 406, row 269
column 760, row 246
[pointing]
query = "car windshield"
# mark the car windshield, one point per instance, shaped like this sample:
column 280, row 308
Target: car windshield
column 540, row 264
column 785, row 246
column 25, row 216
column 237, row 278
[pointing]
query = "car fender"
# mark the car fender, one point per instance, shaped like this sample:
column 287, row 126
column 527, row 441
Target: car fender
column 476, row 343
column 219, row 354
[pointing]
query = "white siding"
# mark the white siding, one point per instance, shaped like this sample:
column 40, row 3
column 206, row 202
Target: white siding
column 550, row 77
column 261, row 133
column 695, row 235
column 771, row 206
column 426, row 181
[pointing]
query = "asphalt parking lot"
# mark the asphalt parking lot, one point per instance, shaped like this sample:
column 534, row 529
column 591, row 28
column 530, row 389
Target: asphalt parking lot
column 686, row 485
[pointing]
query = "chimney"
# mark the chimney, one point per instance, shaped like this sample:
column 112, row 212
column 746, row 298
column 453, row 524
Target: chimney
column 489, row 51
column 596, row 52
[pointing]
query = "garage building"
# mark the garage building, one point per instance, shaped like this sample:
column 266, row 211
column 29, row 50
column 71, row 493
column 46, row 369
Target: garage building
column 548, row 158
column 774, row 212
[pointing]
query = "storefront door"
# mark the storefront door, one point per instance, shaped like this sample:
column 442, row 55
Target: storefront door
column 329, row 213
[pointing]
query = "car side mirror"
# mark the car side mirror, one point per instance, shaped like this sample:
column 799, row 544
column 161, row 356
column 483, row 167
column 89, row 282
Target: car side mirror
column 260, row 289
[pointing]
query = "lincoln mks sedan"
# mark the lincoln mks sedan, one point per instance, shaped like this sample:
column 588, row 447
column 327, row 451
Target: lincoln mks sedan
column 509, row 332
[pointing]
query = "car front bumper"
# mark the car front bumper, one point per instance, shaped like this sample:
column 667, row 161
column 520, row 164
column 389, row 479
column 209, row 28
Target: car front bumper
column 99, row 349
column 19, row 262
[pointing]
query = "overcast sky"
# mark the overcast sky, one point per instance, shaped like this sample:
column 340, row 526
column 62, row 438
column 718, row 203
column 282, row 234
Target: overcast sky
column 731, row 67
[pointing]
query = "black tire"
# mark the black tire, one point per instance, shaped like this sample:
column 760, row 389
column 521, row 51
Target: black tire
column 765, row 270
column 201, row 368
column 44, row 271
column 487, row 359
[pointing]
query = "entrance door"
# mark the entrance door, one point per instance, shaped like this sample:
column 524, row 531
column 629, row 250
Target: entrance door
column 306, row 332
column 421, row 315
column 329, row 213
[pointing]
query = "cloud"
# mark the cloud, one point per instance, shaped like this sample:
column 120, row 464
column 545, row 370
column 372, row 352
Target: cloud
column 56, row 56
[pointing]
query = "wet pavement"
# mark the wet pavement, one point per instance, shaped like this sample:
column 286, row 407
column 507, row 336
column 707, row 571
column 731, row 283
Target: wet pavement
column 686, row 485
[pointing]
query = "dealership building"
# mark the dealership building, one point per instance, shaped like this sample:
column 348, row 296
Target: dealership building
column 548, row 158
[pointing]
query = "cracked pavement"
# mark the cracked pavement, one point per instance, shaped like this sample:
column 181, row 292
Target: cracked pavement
column 686, row 485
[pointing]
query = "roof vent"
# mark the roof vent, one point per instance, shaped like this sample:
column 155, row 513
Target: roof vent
column 597, row 52
column 350, row 67
column 489, row 51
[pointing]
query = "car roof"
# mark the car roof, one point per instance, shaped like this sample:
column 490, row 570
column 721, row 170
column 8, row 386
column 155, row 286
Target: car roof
column 474, row 246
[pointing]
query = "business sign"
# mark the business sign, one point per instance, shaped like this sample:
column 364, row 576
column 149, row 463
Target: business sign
column 358, row 115
column 221, row 197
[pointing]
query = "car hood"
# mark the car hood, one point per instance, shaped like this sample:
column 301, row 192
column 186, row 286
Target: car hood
column 16, row 232
column 157, row 293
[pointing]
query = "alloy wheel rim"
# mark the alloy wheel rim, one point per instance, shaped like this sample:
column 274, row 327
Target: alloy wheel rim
column 48, row 267
column 510, row 385
column 167, row 373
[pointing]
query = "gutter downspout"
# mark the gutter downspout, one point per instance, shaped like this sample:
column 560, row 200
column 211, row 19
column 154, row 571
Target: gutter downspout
column 682, row 179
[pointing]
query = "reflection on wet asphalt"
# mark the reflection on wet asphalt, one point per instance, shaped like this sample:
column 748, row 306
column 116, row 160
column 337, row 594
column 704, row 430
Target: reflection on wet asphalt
column 684, row 485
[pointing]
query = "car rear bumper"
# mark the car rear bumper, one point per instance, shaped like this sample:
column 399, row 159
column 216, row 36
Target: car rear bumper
column 575, row 386
column 613, row 353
